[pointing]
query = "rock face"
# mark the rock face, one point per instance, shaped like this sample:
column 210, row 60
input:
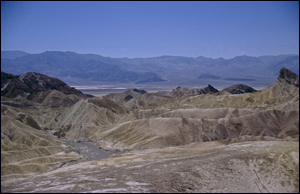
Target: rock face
column 39, row 88
column 288, row 76
column 43, row 82
column 239, row 89
column 187, row 140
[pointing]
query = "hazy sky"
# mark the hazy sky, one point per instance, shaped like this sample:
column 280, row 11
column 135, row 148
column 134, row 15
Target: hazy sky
column 148, row 29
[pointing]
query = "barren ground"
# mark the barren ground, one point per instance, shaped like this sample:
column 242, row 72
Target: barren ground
column 259, row 166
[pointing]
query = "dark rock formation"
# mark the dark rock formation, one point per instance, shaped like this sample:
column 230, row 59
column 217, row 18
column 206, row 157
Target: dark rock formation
column 43, row 82
column 209, row 89
column 288, row 76
column 39, row 88
column 127, row 98
column 6, row 77
column 140, row 91
column 239, row 89
column 181, row 91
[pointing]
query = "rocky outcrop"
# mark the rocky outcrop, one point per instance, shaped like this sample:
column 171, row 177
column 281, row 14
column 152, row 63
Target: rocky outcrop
column 43, row 82
column 239, row 89
column 6, row 78
column 181, row 91
column 35, row 82
column 36, row 87
column 285, row 75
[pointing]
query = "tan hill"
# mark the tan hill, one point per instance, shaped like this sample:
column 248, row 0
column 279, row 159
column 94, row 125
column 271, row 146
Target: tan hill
column 151, row 100
column 126, row 96
column 186, row 126
column 148, row 100
column 181, row 91
column 281, row 95
column 26, row 150
column 83, row 120
column 180, row 121
column 27, row 143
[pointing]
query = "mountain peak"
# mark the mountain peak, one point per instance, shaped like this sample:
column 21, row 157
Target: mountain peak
column 39, row 88
column 288, row 76
column 210, row 89
column 139, row 91
column 38, row 80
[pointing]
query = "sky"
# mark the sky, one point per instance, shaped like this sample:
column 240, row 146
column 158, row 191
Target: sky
column 152, row 28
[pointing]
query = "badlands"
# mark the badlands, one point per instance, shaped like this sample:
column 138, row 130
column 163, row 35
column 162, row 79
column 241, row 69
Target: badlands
column 56, row 139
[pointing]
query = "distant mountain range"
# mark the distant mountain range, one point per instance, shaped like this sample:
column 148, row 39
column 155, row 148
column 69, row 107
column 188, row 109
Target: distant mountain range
column 12, row 54
column 79, row 69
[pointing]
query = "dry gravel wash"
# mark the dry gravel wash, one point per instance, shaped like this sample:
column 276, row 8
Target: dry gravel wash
column 88, row 150
column 260, row 166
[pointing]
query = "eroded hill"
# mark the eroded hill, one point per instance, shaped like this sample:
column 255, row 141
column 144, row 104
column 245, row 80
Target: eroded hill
column 32, row 89
column 186, row 140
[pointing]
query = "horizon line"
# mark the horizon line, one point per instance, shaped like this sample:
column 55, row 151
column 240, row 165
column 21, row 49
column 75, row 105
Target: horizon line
column 145, row 57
